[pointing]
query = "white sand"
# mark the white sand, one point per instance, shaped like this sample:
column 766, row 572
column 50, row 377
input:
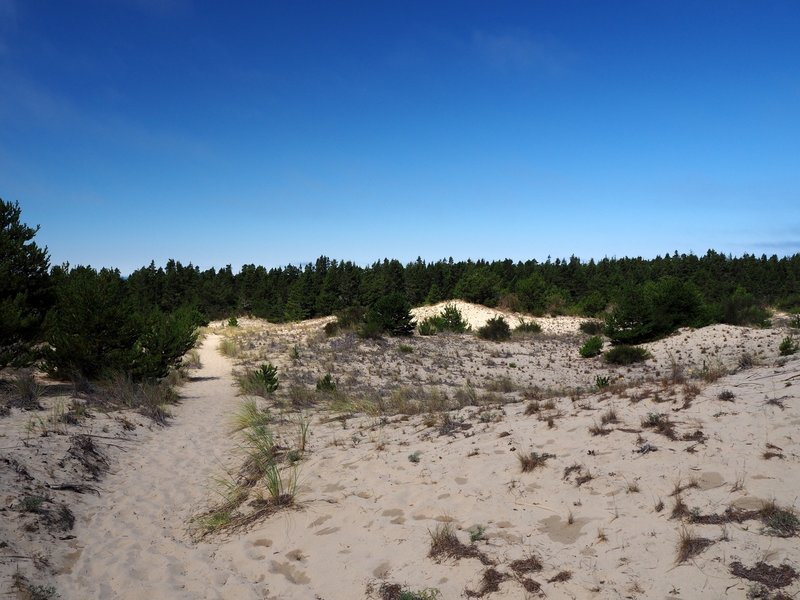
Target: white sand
column 365, row 510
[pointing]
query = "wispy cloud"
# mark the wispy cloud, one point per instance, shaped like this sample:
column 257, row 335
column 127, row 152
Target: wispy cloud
column 521, row 51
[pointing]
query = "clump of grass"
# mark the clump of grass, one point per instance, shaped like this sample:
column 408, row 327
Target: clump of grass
column 533, row 407
column 394, row 591
column 405, row 348
column 27, row 391
column 626, row 355
column 192, row 360
column 596, row 429
column 788, row 346
column 689, row 545
column 326, row 384
column 445, row 544
column 610, row 416
column 726, row 396
column 229, row 347
column 281, row 484
column 679, row 509
column 532, row 461
column 660, row 423
column 527, row 327
column 779, row 521
column 414, row 457
column 502, row 384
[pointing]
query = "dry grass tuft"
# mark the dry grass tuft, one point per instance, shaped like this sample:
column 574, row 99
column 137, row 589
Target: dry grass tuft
column 445, row 544
column 689, row 545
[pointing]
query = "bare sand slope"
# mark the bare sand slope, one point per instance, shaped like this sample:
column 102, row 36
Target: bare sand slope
column 133, row 539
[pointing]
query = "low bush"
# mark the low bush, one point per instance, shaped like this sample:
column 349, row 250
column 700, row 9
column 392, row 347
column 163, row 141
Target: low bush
column 496, row 329
column 528, row 327
column 626, row 355
column 788, row 346
column 391, row 314
column 591, row 347
column 261, row 382
column 326, row 384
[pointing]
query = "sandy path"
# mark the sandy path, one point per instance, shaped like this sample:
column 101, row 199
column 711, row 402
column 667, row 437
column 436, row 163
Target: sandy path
column 132, row 541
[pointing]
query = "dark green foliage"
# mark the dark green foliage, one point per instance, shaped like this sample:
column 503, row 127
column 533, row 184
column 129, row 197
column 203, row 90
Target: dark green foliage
column 591, row 347
column 496, row 329
column 788, row 346
column 653, row 310
column 626, row 355
column 350, row 317
column 233, row 322
column 428, row 326
column 602, row 381
column 450, row 319
column 265, row 379
column 742, row 308
column 326, row 384
column 391, row 314
column 25, row 287
column 93, row 329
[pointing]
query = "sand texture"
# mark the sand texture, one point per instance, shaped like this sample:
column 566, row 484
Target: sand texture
column 429, row 436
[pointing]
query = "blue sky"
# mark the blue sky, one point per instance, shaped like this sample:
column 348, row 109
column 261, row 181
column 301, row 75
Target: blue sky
column 274, row 132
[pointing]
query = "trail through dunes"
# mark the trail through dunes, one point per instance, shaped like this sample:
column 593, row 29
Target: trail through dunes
column 133, row 540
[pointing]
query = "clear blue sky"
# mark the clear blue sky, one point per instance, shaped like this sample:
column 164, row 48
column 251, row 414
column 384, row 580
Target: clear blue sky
column 277, row 131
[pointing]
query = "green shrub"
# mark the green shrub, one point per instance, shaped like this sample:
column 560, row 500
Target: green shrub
column 626, row 355
column 794, row 322
column 326, row 384
column 25, row 287
column 391, row 314
column 451, row 319
column 94, row 329
column 233, row 322
column 591, row 347
column 742, row 308
column 591, row 327
column 350, row 317
column 331, row 329
column 496, row 329
column 655, row 309
column 602, row 381
column 528, row 327
column 261, row 382
column 788, row 346
column 428, row 326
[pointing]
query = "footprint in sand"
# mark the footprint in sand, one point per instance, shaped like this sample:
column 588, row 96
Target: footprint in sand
column 397, row 513
column 290, row 572
column 382, row 570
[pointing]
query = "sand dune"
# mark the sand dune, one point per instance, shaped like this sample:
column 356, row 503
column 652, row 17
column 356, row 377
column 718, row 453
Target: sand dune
column 374, row 487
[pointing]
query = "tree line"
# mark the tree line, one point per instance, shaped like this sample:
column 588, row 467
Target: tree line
column 80, row 319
